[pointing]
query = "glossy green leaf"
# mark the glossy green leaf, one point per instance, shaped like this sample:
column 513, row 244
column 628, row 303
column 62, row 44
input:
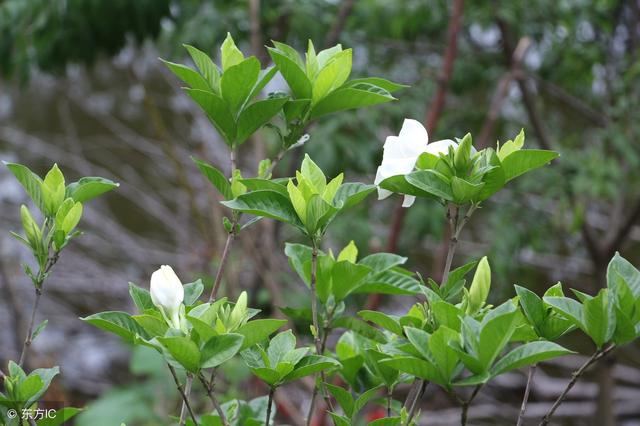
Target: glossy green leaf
column 269, row 204
column 431, row 182
column 257, row 115
column 383, row 320
column 209, row 70
column 220, row 349
column 216, row 177
column 217, row 111
column 332, row 76
column 88, row 188
column 60, row 417
column 258, row 330
column 190, row 76
column 141, row 297
column 525, row 160
column 528, row 354
column 183, row 350
column 119, row 323
column 311, row 364
column 31, row 182
column 292, row 73
column 353, row 97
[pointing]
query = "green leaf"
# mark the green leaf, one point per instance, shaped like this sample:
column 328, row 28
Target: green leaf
column 528, row 354
column 258, row 330
column 444, row 356
column 257, row 115
column 30, row 181
column 387, row 85
column 191, row 77
column 264, row 77
column 366, row 396
column 220, row 349
column 258, row 184
column 346, row 277
column 216, row 177
column 568, row 308
column 280, row 345
column 152, row 325
column 622, row 268
column 431, row 182
column 352, row 193
column 237, row 83
column 525, row 160
column 88, row 188
column 414, row 366
column 532, row 306
column 141, row 297
column 183, row 350
column 311, row 364
column 332, row 76
column 390, row 282
column 497, row 328
column 599, row 318
column 269, row 204
column 380, row 262
column 119, row 323
column 344, row 398
column 231, row 55
column 60, row 417
column 29, row 387
column 192, row 291
column 346, row 98
column 383, row 320
column 206, row 66
column 360, row 327
column 292, row 73
column 464, row 191
column 46, row 376
column 217, row 111
column 39, row 329
column 387, row 421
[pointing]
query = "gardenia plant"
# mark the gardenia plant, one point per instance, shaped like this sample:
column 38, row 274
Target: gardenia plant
column 450, row 336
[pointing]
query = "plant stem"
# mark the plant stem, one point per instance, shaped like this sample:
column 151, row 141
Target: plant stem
column 38, row 283
column 187, row 393
column 525, row 399
column 597, row 355
column 28, row 339
column 209, row 388
column 185, row 398
column 267, row 421
column 455, row 228
column 465, row 406
column 319, row 342
column 389, row 399
column 223, row 260
column 420, row 389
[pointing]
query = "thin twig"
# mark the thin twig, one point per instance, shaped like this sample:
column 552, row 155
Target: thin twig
column 389, row 400
column 465, row 405
column 314, row 315
column 38, row 283
column 213, row 399
column 223, row 260
column 418, row 396
column 187, row 393
column 267, row 421
column 597, row 355
column 525, row 399
column 185, row 398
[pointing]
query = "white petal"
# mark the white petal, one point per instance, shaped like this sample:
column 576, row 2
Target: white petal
column 440, row 147
column 166, row 288
column 383, row 193
column 413, row 129
column 408, row 200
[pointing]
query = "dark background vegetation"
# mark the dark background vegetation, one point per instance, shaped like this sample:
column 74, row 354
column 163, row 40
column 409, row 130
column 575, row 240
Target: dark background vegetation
column 80, row 85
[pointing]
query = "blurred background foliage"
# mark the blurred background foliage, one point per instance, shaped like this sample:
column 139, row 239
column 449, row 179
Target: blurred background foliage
column 81, row 86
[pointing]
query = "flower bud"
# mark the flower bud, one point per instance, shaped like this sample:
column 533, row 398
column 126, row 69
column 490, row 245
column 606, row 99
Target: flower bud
column 167, row 294
column 31, row 229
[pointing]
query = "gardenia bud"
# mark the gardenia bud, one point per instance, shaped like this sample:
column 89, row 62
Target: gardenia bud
column 167, row 294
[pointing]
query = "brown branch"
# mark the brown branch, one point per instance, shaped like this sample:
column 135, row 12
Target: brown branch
column 527, row 96
column 341, row 20
column 185, row 398
column 501, row 93
column 435, row 111
column 437, row 105
column 597, row 355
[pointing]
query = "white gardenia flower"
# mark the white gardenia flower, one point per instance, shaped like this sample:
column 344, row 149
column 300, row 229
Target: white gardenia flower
column 167, row 294
column 401, row 153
